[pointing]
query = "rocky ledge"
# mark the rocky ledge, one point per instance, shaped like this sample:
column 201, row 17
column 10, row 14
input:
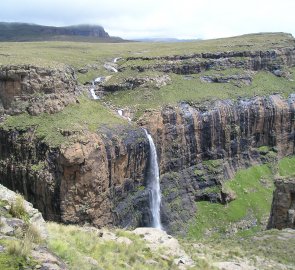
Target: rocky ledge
column 26, row 88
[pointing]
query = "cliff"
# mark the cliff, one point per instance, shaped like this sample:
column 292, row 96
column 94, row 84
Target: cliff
column 97, row 180
column 101, row 179
column 202, row 147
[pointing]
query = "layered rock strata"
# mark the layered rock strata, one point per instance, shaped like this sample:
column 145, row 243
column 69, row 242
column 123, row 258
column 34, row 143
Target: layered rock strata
column 96, row 180
column 199, row 147
column 100, row 178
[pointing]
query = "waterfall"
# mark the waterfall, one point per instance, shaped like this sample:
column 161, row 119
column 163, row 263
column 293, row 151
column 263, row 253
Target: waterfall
column 154, row 183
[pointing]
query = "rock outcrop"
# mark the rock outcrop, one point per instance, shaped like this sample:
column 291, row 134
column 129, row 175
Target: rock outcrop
column 283, row 205
column 24, row 233
column 96, row 180
column 36, row 90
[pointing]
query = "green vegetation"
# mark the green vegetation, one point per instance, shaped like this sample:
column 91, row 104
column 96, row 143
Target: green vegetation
column 287, row 167
column 12, row 262
column 195, row 90
column 87, row 115
column 83, row 250
column 264, row 250
column 17, row 209
column 253, row 189
column 38, row 167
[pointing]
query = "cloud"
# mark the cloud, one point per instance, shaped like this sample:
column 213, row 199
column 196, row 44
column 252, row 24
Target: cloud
column 159, row 18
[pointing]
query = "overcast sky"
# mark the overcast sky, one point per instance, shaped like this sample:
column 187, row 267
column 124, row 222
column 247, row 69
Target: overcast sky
column 159, row 18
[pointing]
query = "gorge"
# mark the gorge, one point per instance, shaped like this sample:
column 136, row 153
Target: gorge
column 78, row 169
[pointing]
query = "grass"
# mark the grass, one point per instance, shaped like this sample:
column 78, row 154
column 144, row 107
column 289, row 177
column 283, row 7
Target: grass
column 75, row 245
column 12, row 262
column 76, row 118
column 17, row 209
column 248, row 213
column 81, row 54
column 264, row 250
column 195, row 90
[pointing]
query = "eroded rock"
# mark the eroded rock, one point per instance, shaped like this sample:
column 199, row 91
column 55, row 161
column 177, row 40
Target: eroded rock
column 283, row 205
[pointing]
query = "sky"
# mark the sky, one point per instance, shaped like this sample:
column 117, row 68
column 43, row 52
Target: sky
column 184, row 19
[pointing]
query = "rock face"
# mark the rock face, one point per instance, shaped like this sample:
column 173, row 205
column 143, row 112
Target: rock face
column 283, row 205
column 97, row 180
column 100, row 179
column 193, row 142
column 35, row 90
column 191, row 64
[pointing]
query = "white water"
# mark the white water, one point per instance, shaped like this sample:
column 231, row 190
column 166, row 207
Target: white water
column 113, row 69
column 116, row 59
column 154, row 184
column 94, row 96
column 120, row 112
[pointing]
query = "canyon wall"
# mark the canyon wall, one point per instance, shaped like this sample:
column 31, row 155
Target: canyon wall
column 200, row 147
column 101, row 179
column 97, row 180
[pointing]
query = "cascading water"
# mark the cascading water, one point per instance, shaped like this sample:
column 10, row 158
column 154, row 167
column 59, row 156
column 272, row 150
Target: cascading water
column 154, row 183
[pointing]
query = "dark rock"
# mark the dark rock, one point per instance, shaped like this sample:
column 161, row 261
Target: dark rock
column 283, row 205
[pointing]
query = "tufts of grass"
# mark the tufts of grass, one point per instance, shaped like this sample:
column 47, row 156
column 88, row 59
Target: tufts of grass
column 17, row 209
column 76, row 246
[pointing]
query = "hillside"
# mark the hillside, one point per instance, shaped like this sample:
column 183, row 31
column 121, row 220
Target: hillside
column 32, row 32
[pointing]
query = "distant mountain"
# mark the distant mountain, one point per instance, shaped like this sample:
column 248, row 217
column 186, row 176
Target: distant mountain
column 34, row 32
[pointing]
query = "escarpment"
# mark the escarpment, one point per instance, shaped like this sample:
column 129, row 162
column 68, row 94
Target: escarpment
column 35, row 90
column 97, row 180
column 200, row 147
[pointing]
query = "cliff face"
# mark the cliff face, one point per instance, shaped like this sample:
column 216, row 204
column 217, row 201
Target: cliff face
column 186, row 135
column 283, row 205
column 36, row 90
column 95, row 181
column 100, row 179
column 200, row 147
